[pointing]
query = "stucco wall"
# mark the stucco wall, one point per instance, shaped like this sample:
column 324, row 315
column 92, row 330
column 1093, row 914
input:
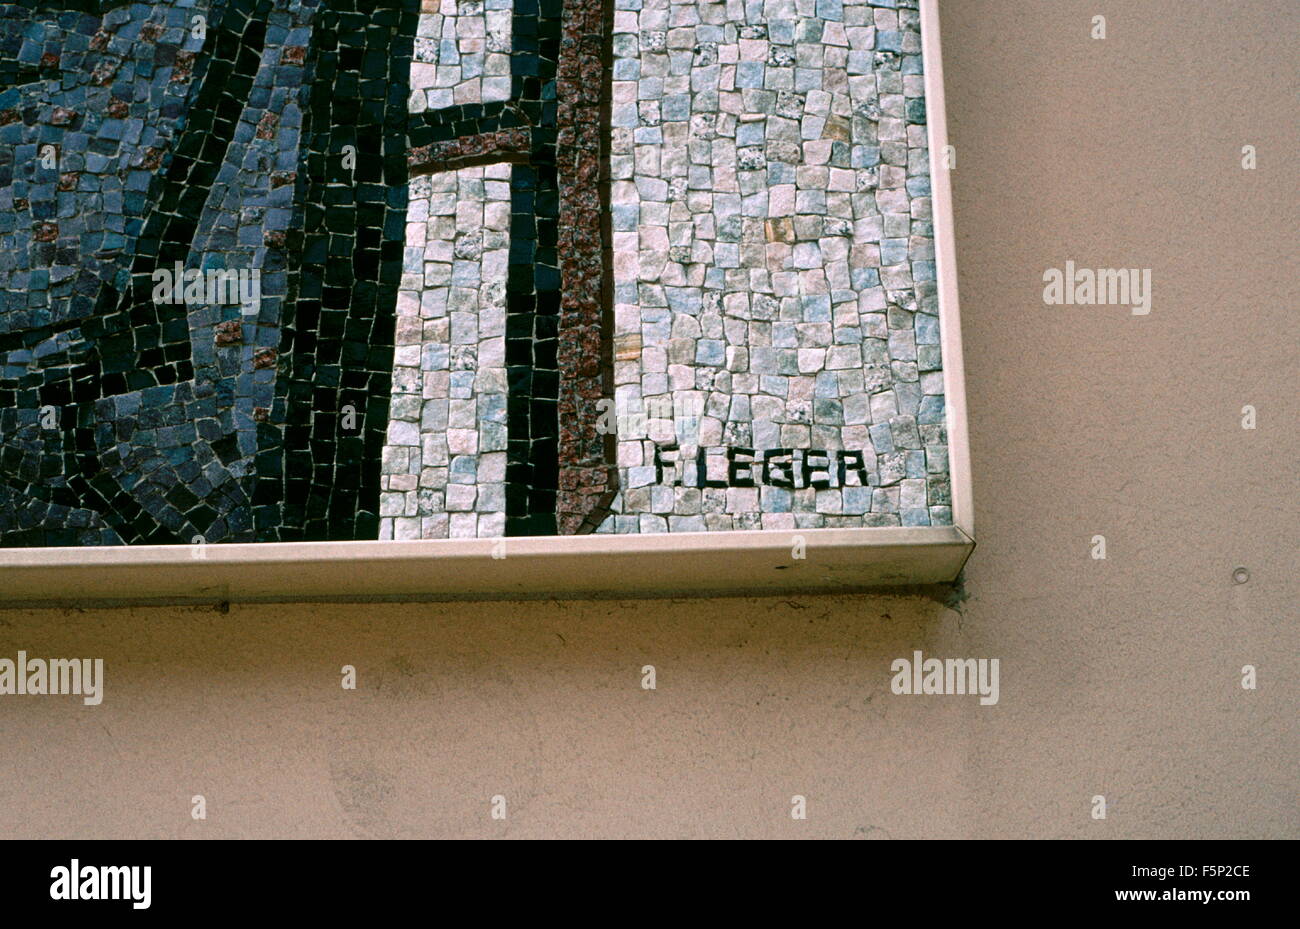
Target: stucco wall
column 1118, row 677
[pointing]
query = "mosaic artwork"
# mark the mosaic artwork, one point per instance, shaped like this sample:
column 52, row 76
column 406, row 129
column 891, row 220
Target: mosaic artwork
column 278, row 270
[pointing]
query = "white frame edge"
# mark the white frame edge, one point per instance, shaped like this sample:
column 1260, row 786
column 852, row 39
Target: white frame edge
column 945, row 248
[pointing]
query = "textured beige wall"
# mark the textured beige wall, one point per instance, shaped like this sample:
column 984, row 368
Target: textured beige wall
column 1119, row 677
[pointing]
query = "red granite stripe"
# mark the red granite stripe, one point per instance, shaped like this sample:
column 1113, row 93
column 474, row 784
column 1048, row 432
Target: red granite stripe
column 588, row 479
column 503, row 145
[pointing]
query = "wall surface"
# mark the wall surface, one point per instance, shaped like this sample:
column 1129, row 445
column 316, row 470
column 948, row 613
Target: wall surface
column 1119, row 677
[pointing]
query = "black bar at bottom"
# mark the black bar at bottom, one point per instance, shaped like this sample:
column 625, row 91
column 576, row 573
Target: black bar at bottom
column 913, row 880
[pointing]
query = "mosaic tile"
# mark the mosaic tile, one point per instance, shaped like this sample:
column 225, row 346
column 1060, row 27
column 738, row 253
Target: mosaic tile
column 461, row 268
